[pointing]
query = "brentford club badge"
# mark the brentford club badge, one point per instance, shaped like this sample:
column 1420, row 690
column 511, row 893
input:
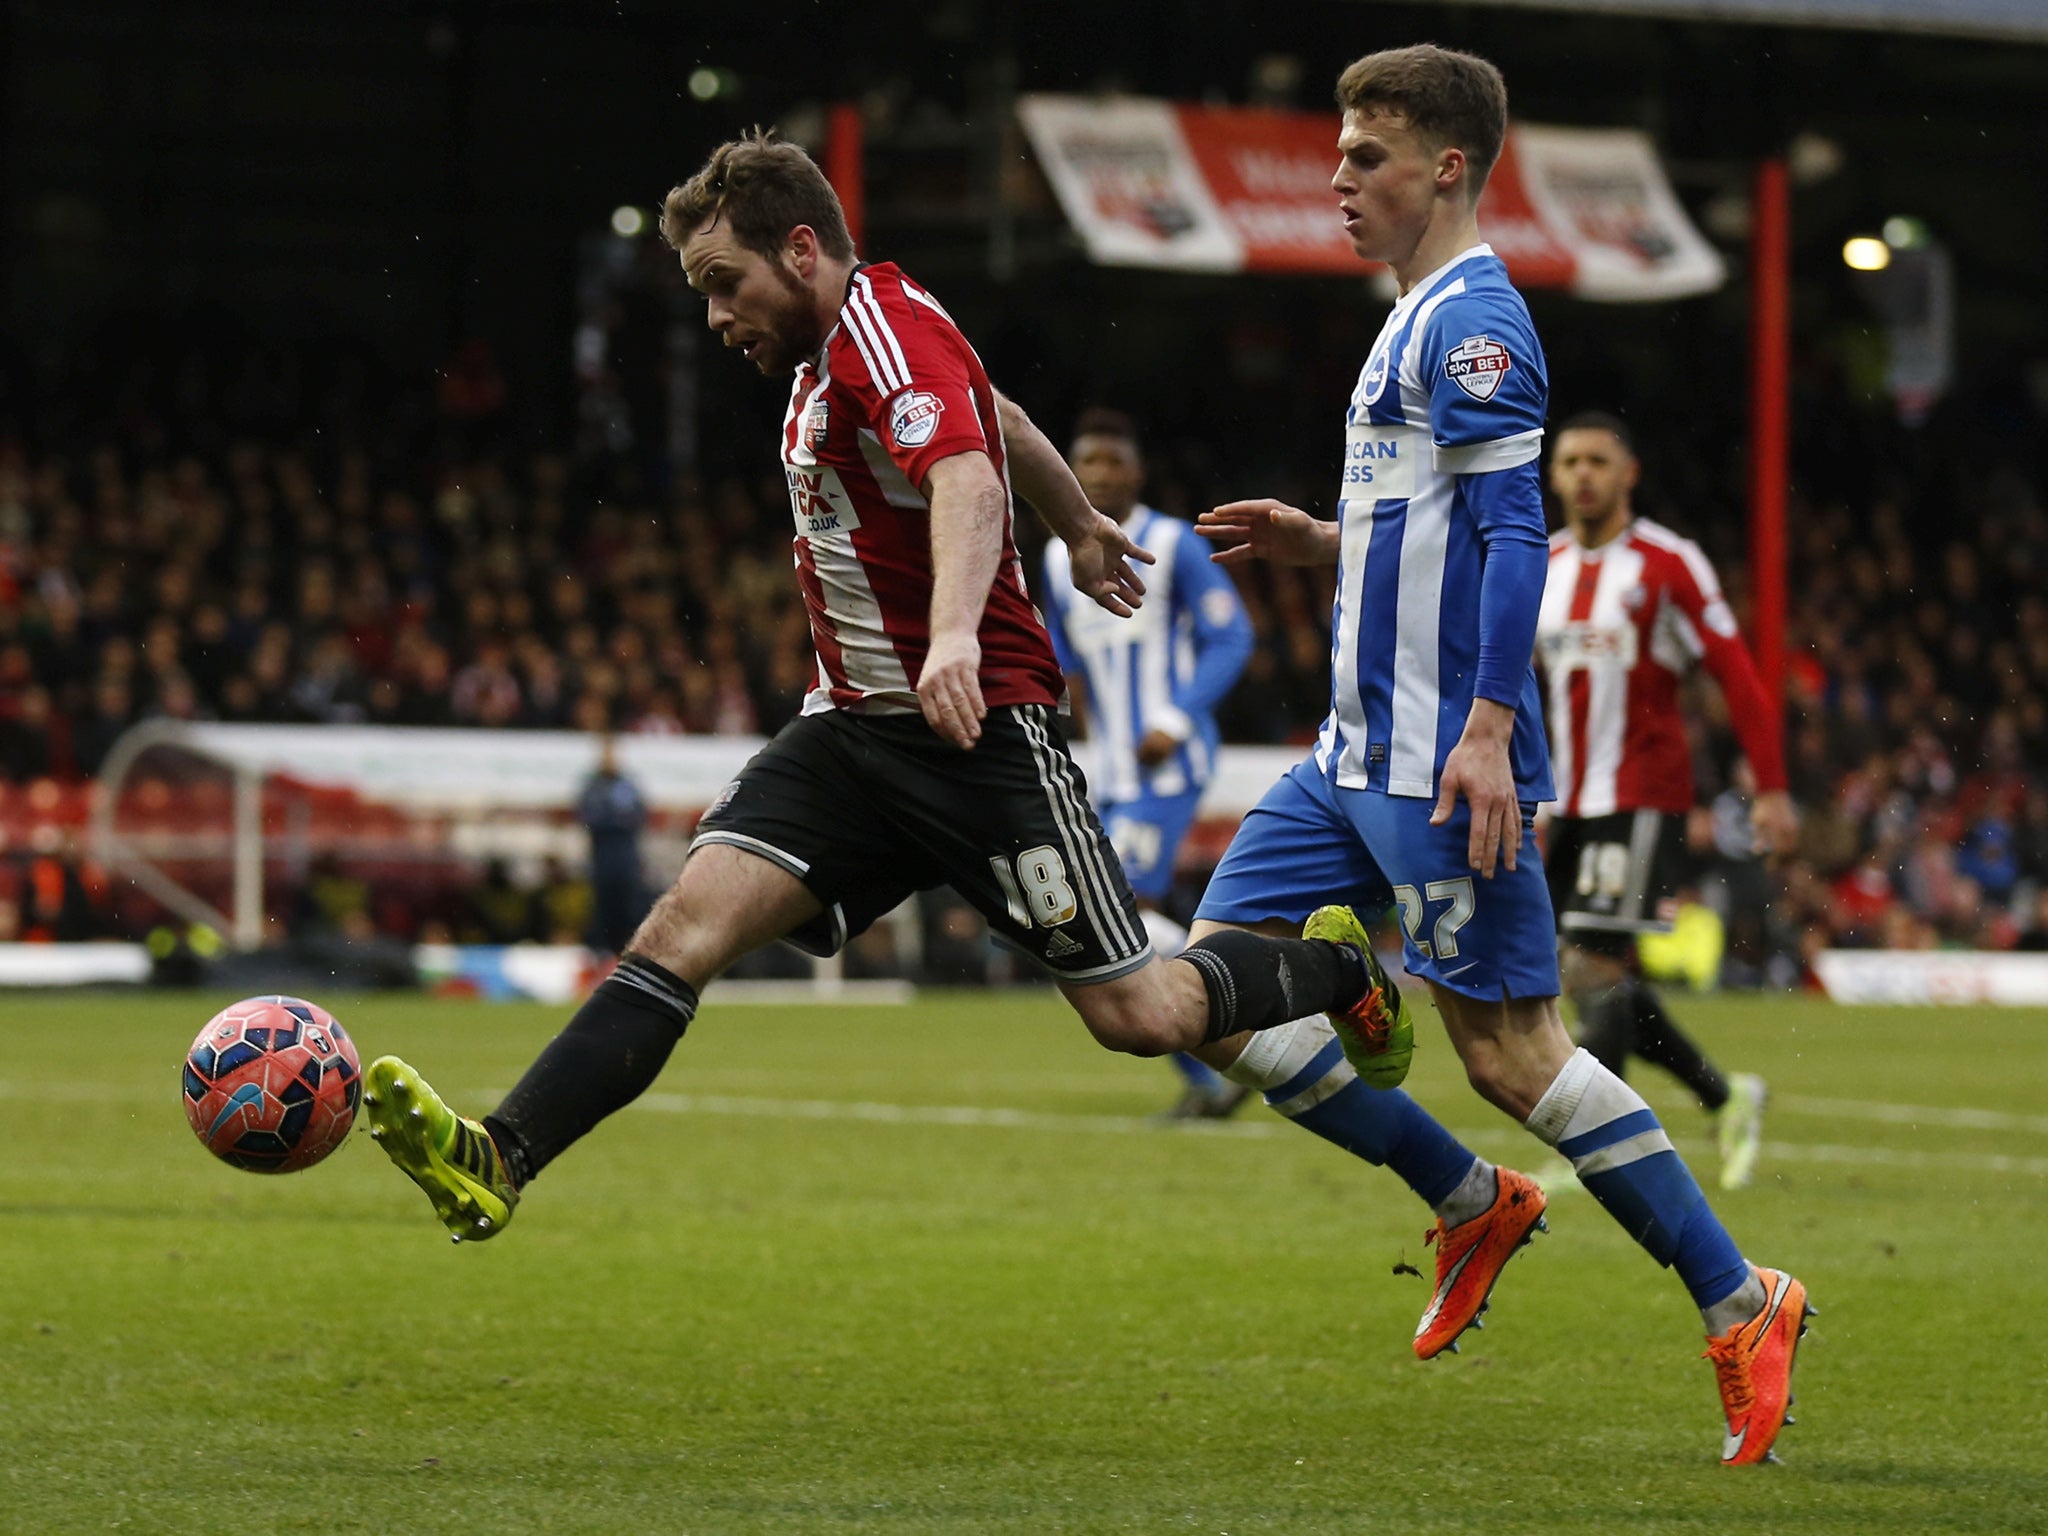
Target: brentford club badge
column 1477, row 365
column 817, row 422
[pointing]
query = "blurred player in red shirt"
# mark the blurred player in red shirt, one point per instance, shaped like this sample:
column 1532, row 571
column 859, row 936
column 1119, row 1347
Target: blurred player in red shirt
column 1629, row 609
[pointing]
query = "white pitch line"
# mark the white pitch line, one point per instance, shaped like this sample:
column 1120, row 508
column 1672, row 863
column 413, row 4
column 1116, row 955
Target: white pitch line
column 1260, row 1129
column 977, row 1116
column 940, row 1114
column 1908, row 1114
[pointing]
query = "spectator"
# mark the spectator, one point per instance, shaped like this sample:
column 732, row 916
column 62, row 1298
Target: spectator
column 564, row 906
column 52, row 897
column 332, row 903
column 28, row 743
column 611, row 809
column 499, row 911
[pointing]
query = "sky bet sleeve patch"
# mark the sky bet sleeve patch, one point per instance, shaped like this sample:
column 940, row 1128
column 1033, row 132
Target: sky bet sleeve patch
column 914, row 417
column 1477, row 365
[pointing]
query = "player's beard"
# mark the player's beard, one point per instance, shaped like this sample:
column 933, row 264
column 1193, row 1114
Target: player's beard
column 792, row 332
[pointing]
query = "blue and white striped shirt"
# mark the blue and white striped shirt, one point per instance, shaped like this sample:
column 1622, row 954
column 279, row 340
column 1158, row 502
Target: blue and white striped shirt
column 1444, row 547
column 1166, row 667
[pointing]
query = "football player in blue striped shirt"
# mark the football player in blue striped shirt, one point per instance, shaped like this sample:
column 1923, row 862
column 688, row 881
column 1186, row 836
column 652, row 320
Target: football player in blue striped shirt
column 1146, row 688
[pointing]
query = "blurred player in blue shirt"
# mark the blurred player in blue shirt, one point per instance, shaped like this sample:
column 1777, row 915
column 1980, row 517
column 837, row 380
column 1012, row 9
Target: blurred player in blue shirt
column 1146, row 689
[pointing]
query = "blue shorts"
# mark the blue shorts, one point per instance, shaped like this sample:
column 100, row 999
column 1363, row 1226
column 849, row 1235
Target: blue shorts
column 1147, row 833
column 1308, row 843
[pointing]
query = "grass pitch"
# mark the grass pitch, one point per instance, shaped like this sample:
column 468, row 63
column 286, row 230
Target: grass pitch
column 925, row 1269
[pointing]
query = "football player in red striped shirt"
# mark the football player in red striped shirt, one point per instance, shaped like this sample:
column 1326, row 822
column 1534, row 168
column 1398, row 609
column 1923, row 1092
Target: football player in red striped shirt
column 930, row 751
column 1628, row 610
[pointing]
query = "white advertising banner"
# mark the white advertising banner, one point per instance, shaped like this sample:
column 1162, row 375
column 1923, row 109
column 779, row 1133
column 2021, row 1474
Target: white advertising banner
column 423, row 768
column 1922, row 976
column 428, row 769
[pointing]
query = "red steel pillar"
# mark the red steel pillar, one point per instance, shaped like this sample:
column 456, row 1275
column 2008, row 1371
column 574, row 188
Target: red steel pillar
column 843, row 165
column 1770, row 417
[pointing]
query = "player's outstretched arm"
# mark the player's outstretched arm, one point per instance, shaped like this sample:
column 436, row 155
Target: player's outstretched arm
column 1100, row 553
column 1265, row 529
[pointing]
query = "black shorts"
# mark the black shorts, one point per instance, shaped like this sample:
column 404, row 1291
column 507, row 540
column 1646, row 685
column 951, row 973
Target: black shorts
column 1615, row 875
column 867, row 810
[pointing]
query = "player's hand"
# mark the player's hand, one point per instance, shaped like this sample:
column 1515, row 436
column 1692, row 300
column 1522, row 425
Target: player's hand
column 1478, row 769
column 949, row 689
column 1100, row 564
column 1156, row 748
column 1774, row 819
column 1265, row 529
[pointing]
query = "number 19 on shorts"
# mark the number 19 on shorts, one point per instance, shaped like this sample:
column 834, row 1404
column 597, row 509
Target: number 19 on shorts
column 1036, row 890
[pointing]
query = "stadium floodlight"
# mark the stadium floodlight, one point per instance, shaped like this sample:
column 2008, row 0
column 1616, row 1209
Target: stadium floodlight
column 1866, row 253
column 628, row 221
column 1904, row 234
column 704, row 83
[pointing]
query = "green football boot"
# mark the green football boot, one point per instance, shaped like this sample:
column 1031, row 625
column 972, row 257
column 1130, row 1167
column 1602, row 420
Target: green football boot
column 1377, row 1032
column 453, row 1159
column 1739, row 1127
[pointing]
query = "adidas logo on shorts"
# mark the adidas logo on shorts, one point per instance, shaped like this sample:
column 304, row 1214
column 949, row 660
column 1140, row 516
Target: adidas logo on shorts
column 1059, row 946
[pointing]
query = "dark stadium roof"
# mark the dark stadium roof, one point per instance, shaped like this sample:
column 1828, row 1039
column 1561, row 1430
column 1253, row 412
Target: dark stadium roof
column 2025, row 19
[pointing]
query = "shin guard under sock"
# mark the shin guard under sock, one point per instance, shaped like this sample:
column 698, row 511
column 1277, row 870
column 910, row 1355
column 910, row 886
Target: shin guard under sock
column 1626, row 1162
column 1255, row 983
column 613, row 1048
column 1301, row 1069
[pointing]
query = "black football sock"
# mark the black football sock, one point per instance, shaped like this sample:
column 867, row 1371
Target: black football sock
column 1662, row 1043
column 1607, row 1024
column 612, row 1050
column 1255, row 982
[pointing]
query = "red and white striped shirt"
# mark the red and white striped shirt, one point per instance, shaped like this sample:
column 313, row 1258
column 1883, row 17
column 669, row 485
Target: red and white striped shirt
column 1620, row 626
column 895, row 389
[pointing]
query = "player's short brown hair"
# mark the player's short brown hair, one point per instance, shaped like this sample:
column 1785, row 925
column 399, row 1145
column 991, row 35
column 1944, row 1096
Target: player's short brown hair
column 764, row 188
column 1453, row 99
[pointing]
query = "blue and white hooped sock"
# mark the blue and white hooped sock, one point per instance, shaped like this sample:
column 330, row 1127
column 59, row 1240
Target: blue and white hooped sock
column 1300, row 1067
column 1622, row 1156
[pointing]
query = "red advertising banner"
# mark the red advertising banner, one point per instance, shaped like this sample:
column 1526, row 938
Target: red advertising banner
column 1240, row 189
column 1269, row 173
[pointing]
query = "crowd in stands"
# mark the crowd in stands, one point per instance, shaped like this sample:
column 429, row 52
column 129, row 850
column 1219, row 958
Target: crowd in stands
column 256, row 582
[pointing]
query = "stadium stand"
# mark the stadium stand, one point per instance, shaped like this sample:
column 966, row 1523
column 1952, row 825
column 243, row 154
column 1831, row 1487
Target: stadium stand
column 209, row 573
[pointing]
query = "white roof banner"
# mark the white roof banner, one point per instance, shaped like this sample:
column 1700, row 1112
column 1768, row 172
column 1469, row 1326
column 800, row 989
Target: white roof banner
column 1602, row 194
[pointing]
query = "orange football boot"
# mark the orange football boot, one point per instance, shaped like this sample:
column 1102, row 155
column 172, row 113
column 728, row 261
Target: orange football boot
column 1753, row 1366
column 1470, row 1257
